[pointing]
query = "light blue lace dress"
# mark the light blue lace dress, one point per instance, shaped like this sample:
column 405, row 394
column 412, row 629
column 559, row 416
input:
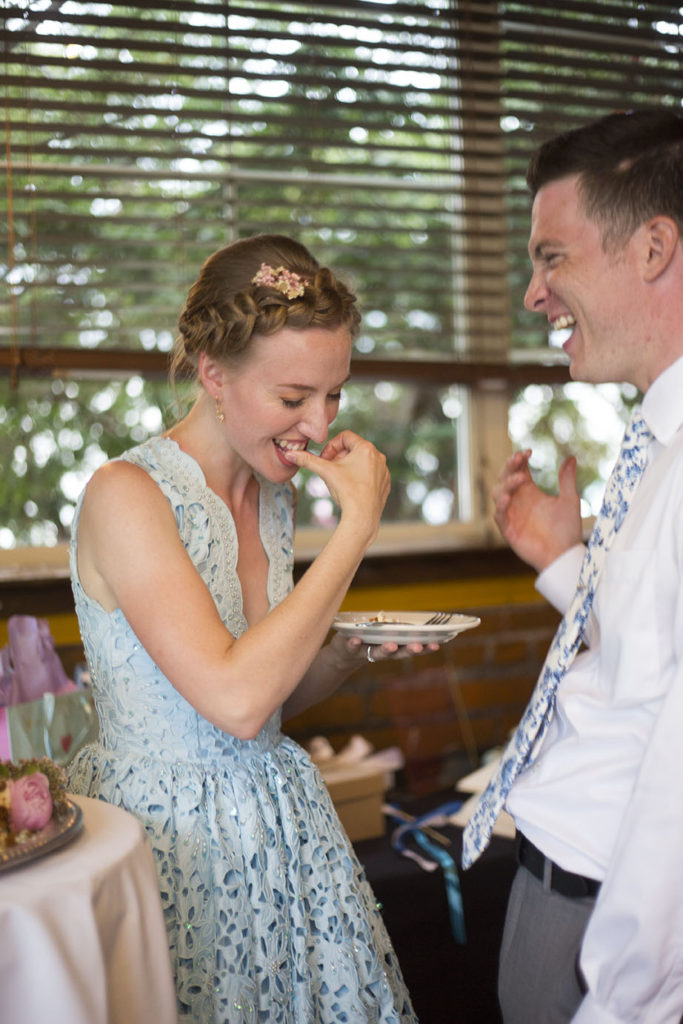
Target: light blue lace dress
column 269, row 916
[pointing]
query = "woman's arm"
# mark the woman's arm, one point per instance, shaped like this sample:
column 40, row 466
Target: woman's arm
column 130, row 555
column 335, row 663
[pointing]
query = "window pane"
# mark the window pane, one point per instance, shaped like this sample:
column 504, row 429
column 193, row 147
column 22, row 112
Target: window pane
column 578, row 419
column 54, row 434
column 391, row 137
column 421, row 431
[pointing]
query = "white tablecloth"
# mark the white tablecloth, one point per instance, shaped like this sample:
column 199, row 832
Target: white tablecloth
column 82, row 937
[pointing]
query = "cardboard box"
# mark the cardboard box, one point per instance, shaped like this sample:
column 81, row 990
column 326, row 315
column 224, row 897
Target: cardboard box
column 358, row 795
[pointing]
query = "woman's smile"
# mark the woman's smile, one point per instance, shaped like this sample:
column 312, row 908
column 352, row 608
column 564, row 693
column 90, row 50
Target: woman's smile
column 282, row 446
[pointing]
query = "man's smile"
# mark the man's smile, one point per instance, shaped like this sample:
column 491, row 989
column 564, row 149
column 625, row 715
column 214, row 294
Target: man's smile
column 561, row 323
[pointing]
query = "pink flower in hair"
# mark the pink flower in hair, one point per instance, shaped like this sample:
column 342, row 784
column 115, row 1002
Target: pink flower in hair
column 282, row 280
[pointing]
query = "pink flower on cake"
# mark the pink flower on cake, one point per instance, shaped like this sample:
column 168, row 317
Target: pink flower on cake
column 30, row 802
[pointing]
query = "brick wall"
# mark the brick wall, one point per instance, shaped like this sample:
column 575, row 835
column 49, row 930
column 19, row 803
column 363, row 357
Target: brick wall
column 443, row 710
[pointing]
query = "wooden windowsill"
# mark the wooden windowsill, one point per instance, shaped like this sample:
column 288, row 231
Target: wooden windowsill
column 395, row 541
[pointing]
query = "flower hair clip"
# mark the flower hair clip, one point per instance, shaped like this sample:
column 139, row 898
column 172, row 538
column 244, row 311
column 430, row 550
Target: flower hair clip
column 282, row 280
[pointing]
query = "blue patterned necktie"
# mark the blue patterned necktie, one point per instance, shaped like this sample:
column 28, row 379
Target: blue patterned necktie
column 530, row 731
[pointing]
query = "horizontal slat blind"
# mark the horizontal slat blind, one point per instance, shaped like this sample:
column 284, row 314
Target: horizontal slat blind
column 390, row 137
column 562, row 66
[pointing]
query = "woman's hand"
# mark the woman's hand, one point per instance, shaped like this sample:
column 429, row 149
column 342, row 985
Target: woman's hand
column 356, row 476
column 335, row 662
column 358, row 651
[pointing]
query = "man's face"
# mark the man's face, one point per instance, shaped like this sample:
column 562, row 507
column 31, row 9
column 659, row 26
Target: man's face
column 576, row 284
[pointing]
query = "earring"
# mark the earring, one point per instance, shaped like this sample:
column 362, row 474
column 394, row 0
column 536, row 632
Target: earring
column 220, row 415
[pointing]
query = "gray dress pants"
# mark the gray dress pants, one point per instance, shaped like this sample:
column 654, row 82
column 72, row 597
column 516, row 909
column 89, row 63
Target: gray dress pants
column 539, row 980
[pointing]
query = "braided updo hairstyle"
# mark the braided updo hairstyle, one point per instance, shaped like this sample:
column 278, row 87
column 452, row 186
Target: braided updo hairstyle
column 225, row 309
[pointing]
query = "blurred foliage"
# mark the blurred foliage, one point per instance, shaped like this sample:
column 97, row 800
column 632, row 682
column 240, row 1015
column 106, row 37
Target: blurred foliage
column 583, row 420
column 417, row 430
column 54, row 434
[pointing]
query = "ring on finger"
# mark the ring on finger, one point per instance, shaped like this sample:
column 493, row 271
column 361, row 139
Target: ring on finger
column 369, row 655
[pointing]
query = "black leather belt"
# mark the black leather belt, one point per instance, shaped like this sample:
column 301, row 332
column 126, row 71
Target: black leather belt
column 564, row 882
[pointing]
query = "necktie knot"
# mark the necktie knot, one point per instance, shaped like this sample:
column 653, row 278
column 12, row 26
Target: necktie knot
column 637, row 436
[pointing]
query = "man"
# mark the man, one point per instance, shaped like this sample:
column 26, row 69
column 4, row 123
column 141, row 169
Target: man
column 594, row 929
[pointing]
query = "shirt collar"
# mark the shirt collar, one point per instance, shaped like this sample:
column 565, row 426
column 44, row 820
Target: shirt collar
column 663, row 405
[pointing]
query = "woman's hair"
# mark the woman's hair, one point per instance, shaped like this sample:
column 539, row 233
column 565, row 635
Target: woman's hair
column 630, row 167
column 225, row 308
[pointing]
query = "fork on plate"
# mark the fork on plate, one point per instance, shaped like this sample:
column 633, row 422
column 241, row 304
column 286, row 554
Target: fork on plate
column 439, row 618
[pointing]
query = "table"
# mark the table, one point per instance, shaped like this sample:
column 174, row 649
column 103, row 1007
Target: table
column 82, row 937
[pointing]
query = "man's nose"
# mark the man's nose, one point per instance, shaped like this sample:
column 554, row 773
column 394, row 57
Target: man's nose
column 536, row 293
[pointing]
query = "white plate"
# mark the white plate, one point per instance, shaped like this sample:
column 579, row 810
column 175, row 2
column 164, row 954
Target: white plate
column 401, row 627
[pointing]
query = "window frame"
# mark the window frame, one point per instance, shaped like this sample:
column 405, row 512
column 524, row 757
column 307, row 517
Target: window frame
column 496, row 46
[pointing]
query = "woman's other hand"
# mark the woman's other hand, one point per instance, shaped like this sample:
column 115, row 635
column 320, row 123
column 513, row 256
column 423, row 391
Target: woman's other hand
column 356, row 649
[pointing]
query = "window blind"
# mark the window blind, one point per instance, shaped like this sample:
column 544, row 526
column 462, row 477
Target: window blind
column 391, row 137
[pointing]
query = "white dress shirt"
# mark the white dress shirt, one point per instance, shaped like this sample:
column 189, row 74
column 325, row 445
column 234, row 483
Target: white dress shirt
column 604, row 797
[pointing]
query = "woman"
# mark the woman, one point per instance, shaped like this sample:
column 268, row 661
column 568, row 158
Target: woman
column 198, row 643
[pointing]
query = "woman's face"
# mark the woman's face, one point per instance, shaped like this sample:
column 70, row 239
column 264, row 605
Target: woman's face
column 284, row 395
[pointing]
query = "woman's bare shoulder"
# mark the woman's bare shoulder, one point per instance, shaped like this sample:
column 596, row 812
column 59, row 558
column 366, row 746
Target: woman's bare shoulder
column 118, row 476
column 122, row 492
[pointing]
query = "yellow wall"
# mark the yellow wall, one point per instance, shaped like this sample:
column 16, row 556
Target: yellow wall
column 457, row 595
column 64, row 629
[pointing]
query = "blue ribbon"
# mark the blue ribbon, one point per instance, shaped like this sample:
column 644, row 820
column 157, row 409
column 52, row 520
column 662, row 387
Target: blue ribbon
column 442, row 858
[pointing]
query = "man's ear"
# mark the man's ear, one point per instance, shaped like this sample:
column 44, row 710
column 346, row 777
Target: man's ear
column 210, row 374
column 660, row 241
